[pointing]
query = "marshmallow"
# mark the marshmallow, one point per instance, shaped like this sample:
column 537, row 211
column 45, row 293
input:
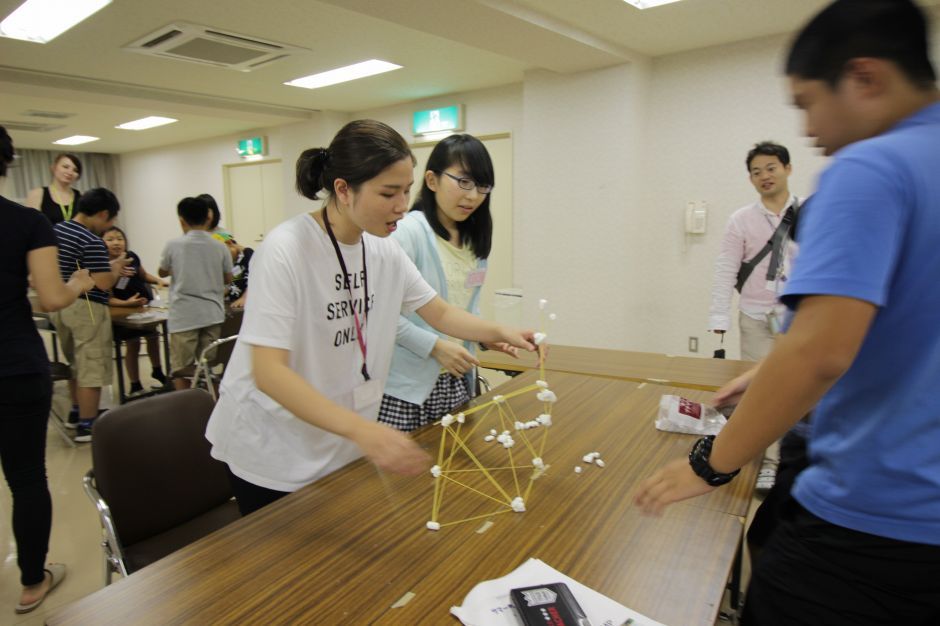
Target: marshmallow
column 544, row 419
column 599, row 463
column 546, row 395
column 518, row 504
column 577, row 469
column 552, row 317
column 538, row 338
column 543, row 303
column 493, row 432
column 499, row 399
column 461, row 418
column 509, row 443
column 587, row 458
column 433, row 526
column 538, row 462
column 519, row 426
column 531, row 424
column 447, row 420
column 489, row 438
column 542, row 384
column 436, row 471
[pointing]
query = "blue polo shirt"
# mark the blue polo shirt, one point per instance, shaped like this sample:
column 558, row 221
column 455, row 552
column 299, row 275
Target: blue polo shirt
column 872, row 232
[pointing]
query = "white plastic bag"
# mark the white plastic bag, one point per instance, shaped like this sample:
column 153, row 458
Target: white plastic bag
column 681, row 415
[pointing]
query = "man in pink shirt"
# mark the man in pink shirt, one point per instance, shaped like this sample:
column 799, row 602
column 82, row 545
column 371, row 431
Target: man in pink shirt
column 746, row 238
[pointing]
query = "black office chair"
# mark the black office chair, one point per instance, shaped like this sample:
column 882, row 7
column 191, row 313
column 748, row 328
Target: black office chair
column 60, row 372
column 154, row 484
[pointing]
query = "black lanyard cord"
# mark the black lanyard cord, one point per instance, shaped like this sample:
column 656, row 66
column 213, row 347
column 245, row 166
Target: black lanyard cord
column 346, row 279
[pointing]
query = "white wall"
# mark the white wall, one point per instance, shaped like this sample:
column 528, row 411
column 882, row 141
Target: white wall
column 604, row 164
column 148, row 201
column 707, row 109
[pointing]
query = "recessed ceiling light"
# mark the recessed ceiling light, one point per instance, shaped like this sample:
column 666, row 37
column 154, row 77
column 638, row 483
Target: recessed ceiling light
column 44, row 20
column 146, row 122
column 344, row 74
column 648, row 4
column 75, row 140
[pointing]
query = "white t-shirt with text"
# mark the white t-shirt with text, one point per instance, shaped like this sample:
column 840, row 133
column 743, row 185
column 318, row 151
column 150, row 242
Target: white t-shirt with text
column 299, row 302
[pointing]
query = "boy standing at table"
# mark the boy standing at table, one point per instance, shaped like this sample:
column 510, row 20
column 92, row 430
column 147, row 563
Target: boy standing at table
column 84, row 326
column 200, row 267
column 859, row 539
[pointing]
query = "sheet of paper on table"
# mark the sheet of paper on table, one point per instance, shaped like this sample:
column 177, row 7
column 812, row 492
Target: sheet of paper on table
column 488, row 603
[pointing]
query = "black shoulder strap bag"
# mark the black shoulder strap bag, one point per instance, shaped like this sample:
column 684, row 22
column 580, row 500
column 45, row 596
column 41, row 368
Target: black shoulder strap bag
column 774, row 245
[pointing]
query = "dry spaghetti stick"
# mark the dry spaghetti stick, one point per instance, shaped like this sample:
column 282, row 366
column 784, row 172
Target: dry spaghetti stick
column 470, row 519
column 91, row 313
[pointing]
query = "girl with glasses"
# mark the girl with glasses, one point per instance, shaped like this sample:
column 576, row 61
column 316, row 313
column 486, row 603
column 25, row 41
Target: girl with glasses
column 448, row 234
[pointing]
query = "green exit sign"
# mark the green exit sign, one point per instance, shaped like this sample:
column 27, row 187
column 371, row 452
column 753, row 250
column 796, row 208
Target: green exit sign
column 253, row 146
column 438, row 120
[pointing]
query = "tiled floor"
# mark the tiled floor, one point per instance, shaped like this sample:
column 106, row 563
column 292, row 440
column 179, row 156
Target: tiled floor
column 76, row 534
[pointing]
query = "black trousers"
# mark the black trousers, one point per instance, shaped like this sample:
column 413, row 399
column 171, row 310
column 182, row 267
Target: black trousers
column 793, row 460
column 251, row 497
column 815, row 573
column 25, row 402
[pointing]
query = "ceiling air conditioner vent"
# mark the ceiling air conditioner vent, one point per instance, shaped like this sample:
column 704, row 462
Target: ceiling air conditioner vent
column 33, row 127
column 200, row 44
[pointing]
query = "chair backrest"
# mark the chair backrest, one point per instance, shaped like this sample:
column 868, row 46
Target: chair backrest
column 152, row 464
column 230, row 328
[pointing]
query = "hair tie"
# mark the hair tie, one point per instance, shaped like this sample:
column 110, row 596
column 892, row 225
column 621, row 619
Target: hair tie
column 322, row 157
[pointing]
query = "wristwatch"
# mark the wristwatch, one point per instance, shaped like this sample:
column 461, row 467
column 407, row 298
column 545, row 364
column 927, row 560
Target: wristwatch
column 698, row 459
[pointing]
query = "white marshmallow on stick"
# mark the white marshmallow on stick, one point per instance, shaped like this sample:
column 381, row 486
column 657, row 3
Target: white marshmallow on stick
column 447, row 420
column 542, row 304
column 542, row 384
column 518, row 504
column 433, row 526
column 546, row 395
column 538, row 338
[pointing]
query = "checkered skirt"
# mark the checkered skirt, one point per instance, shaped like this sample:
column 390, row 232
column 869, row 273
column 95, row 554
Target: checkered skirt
column 448, row 393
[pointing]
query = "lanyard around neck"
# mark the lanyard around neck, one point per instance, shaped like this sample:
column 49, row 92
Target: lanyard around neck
column 65, row 208
column 346, row 279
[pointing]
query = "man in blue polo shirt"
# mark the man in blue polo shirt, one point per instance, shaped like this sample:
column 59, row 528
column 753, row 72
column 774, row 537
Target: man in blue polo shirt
column 859, row 542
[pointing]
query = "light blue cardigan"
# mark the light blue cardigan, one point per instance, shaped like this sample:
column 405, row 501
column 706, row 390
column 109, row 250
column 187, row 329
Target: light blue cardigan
column 414, row 371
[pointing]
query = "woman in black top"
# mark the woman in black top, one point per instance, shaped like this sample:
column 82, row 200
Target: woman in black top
column 133, row 289
column 28, row 248
column 58, row 199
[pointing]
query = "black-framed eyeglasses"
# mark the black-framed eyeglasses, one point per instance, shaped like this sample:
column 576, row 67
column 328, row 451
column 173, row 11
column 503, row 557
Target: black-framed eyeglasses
column 468, row 183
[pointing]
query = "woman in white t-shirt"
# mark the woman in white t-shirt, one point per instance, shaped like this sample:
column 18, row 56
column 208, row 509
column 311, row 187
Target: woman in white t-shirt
column 302, row 390
column 447, row 234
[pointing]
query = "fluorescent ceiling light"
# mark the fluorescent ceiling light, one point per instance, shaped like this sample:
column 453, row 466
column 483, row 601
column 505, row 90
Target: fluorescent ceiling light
column 75, row 140
column 648, row 4
column 343, row 74
column 44, row 20
column 146, row 122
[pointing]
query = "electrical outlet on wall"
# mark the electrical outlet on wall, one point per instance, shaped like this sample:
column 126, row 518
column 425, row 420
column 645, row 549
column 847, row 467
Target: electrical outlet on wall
column 693, row 344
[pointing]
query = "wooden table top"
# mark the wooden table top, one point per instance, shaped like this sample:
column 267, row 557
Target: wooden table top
column 347, row 547
column 679, row 371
